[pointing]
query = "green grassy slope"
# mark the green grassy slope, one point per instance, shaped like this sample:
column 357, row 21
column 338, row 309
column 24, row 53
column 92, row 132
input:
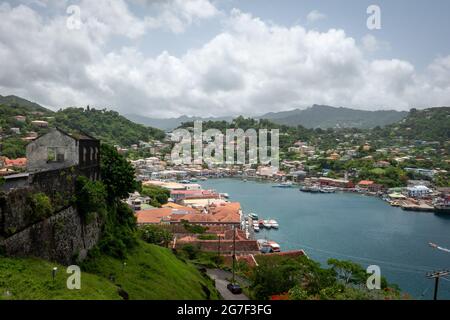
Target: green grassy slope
column 31, row 279
column 151, row 272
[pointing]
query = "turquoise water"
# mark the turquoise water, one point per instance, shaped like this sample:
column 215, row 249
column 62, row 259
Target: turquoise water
column 351, row 226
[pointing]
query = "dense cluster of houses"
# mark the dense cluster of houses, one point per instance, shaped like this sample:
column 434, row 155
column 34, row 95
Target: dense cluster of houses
column 189, row 205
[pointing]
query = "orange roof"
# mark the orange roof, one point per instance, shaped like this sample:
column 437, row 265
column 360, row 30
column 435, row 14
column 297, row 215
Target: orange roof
column 365, row 182
column 226, row 212
column 19, row 162
column 194, row 217
column 156, row 215
column 179, row 207
column 153, row 215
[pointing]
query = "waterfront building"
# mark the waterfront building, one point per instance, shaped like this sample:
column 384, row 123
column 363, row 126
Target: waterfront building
column 418, row 191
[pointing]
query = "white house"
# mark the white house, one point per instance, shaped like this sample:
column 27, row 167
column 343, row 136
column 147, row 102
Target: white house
column 418, row 191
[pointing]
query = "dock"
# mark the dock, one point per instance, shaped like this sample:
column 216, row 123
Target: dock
column 420, row 206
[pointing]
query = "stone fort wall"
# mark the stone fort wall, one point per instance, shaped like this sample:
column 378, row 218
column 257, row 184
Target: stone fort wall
column 62, row 236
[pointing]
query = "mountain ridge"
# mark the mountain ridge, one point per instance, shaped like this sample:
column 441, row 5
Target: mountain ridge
column 316, row 116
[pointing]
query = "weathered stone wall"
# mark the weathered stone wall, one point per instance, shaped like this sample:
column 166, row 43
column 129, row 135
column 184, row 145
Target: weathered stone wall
column 16, row 212
column 60, row 235
column 64, row 238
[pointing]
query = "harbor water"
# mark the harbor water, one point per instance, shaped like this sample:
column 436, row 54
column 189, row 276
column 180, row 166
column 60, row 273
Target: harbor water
column 353, row 227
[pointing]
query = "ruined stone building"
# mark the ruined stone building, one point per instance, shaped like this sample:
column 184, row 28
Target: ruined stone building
column 55, row 160
column 58, row 149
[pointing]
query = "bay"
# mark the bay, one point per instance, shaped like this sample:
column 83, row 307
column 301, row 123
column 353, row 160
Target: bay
column 353, row 227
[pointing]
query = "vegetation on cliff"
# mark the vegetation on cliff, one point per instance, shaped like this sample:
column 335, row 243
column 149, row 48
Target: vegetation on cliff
column 108, row 126
column 150, row 272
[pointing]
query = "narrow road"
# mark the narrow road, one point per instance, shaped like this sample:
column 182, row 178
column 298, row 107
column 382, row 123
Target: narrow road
column 220, row 277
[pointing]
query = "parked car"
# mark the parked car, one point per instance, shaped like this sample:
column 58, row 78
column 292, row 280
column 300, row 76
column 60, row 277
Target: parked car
column 234, row 288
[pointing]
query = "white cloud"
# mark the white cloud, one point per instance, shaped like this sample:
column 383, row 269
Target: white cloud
column 251, row 67
column 177, row 15
column 371, row 44
column 314, row 16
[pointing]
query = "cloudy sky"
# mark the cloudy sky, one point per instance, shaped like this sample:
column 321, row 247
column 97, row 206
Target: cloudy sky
column 165, row 58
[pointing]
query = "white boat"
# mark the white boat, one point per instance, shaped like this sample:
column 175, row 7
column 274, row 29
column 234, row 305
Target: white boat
column 256, row 227
column 254, row 216
column 225, row 195
column 275, row 246
column 263, row 243
column 273, row 223
column 328, row 190
column 267, row 224
column 287, row 184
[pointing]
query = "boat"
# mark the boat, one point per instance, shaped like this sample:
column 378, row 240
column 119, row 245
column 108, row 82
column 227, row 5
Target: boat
column 244, row 180
column 193, row 179
column 328, row 190
column 185, row 181
column 275, row 246
column 254, row 216
column 273, row 223
column 225, row 195
column 310, row 189
column 261, row 223
column 287, row 184
column 256, row 227
column 442, row 209
column 203, row 178
column 266, row 224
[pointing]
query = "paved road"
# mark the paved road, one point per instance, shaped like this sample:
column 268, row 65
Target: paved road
column 220, row 277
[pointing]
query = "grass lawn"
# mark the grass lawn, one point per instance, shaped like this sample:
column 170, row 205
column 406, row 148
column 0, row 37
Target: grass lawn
column 151, row 272
column 31, row 279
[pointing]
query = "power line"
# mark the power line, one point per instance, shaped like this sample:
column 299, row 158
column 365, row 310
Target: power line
column 436, row 275
column 416, row 269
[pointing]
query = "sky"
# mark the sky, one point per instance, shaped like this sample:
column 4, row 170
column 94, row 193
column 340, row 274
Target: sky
column 167, row 58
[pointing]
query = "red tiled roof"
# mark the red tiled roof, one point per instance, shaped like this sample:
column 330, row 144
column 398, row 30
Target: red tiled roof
column 153, row 215
column 19, row 162
column 226, row 212
column 365, row 183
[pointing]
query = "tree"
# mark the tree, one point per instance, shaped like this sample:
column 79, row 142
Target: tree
column 348, row 272
column 117, row 173
column 156, row 235
column 158, row 195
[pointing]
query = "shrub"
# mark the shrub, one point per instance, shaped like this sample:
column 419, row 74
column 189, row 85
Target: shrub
column 90, row 198
column 156, row 235
column 41, row 205
column 207, row 237
column 191, row 251
column 192, row 228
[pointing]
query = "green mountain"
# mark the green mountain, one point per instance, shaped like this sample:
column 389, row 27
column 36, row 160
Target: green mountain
column 22, row 104
column 109, row 126
column 170, row 123
column 331, row 117
column 431, row 124
column 315, row 117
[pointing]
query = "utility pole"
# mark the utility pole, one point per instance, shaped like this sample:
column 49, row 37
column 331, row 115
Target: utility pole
column 218, row 249
column 436, row 275
column 234, row 249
